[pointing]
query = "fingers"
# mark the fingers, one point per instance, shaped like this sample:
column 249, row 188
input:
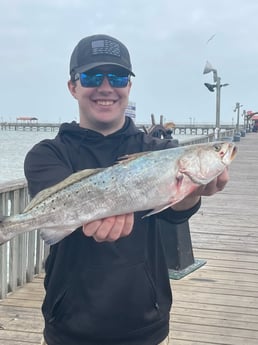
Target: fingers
column 211, row 188
column 89, row 229
column 217, row 184
column 111, row 228
column 222, row 179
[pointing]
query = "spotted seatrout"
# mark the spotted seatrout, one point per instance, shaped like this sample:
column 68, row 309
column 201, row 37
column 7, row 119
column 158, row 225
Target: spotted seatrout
column 150, row 181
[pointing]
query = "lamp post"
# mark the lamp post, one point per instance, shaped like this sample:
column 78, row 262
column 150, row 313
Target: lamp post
column 237, row 108
column 211, row 87
column 245, row 120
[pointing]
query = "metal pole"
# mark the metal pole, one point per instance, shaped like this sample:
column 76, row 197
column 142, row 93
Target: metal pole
column 238, row 110
column 244, row 115
column 218, row 108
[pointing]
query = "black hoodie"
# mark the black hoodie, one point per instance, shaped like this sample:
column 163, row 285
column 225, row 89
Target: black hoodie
column 109, row 293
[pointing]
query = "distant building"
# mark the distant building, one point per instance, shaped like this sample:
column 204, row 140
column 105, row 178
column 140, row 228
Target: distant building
column 131, row 110
column 26, row 119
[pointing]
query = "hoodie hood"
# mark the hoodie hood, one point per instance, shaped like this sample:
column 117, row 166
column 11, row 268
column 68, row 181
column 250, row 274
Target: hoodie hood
column 104, row 150
column 73, row 129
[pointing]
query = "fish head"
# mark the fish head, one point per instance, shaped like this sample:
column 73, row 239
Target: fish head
column 203, row 162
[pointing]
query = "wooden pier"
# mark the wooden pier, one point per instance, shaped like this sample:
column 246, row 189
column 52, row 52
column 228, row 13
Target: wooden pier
column 183, row 128
column 215, row 305
column 29, row 126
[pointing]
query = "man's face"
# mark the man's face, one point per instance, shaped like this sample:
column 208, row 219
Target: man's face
column 102, row 106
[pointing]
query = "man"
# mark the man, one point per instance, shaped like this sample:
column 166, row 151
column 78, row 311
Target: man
column 107, row 283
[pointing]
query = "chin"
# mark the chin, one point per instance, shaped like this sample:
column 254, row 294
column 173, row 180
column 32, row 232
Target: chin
column 108, row 119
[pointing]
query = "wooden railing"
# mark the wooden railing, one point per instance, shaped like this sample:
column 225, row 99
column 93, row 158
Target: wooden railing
column 224, row 135
column 23, row 256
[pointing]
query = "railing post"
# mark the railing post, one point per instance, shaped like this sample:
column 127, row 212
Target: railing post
column 3, row 271
column 177, row 243
column 3, row 252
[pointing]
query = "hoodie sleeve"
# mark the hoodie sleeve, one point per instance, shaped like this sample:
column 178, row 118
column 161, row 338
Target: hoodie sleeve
column 44, row 166
column 178, row 217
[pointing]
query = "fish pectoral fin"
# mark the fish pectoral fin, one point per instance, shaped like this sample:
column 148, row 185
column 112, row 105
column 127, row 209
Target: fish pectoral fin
column 159, row 209
column 53, row 236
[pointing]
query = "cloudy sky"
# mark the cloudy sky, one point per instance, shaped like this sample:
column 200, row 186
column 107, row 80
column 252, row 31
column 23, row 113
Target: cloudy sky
column 169, row 41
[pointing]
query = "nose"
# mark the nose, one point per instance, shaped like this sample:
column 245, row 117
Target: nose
column 105, row 85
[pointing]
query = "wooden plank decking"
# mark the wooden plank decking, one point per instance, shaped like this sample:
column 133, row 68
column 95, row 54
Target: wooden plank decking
column 215, row 305
column 218, row 304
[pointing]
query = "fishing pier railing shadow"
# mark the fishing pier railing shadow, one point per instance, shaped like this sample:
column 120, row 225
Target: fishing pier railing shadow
column 23, row 257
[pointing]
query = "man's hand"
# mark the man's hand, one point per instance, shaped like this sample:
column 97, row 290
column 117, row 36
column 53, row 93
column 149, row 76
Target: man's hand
column 216, row 185
column 110, row 229
column 211, row 188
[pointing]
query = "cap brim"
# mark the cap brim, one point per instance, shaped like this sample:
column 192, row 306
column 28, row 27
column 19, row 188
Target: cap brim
column 87, row 67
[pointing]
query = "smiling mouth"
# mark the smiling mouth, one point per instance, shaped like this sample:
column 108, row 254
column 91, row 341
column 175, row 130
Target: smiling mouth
column 105, row 102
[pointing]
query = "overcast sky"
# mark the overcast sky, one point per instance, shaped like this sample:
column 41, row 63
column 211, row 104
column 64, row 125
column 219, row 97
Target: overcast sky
column 169, row 42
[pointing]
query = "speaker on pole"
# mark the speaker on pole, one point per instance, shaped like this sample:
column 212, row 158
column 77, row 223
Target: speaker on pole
column 208, row 68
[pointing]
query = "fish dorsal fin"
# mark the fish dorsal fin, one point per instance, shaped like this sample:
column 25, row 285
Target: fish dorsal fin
column 131, row 157
column 45, row 193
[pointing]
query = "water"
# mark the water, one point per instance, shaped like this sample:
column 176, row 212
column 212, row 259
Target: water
column 14, row 146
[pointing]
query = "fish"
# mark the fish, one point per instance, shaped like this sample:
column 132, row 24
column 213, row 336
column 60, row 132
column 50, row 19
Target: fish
column 147, row 181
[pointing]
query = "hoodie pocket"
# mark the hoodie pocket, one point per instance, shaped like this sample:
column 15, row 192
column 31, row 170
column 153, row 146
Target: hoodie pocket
column 106, row 303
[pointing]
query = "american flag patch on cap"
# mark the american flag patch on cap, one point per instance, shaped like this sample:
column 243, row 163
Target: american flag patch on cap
column 105, row 47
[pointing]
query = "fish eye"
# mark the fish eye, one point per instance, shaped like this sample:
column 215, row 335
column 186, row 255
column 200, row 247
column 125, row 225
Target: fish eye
column 217, row 147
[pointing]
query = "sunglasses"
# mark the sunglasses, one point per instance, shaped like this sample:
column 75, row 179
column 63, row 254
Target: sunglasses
column 96, row 79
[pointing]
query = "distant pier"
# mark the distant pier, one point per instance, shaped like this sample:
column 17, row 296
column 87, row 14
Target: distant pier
column 192, row 129
column 29, row 126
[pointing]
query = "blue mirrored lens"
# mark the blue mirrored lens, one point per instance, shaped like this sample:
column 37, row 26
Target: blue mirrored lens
column 91, row 80
column 117, row 81
column 95, row 80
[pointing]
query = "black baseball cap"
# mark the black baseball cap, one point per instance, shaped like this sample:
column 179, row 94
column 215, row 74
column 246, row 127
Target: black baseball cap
column 98, row 50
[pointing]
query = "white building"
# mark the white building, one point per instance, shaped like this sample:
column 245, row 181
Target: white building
column 131, row 110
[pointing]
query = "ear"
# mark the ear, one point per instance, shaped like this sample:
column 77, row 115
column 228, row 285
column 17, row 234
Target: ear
column 129, row 85
column 72, row 88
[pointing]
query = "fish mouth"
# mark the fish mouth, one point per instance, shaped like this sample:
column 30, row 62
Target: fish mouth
column 234, row 152
column 228, row 152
